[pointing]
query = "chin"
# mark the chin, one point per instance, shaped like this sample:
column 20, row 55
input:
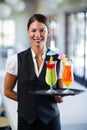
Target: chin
column 38, row 44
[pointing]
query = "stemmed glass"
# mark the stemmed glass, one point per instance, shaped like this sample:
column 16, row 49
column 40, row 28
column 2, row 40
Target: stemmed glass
column 51, row 75
column 67, row 75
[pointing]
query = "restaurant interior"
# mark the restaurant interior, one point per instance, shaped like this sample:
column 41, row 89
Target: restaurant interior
column 68, row 24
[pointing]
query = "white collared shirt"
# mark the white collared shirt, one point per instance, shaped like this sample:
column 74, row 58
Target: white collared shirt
column 35, row 63
column 12, row 65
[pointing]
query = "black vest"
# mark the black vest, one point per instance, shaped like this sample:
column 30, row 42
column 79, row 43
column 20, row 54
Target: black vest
column 32, row 107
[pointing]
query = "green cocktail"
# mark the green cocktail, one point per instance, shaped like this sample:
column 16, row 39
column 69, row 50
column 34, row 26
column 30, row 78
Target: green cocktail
column 51, row 76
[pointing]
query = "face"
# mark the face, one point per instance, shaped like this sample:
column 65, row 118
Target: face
column 38, row 33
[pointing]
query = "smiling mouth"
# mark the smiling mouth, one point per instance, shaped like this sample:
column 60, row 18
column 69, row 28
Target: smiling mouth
column 38, row 40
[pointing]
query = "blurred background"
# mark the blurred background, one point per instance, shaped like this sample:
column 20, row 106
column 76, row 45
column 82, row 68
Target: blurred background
column 68, row 22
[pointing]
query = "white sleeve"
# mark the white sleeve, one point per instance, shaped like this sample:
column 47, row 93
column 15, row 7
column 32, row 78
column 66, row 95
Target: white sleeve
column 12, row 65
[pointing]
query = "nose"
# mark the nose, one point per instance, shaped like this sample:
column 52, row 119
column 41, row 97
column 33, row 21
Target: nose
column 37, row 34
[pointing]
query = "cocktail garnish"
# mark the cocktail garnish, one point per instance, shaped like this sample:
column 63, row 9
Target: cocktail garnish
column 62, row 57
column 51, row 53
column 51, row 59
column 64, row 60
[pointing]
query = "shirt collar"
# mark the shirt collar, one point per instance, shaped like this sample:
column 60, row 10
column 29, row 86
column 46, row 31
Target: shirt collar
column 43, row 56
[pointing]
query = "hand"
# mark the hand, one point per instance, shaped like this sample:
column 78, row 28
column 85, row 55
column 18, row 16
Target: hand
column 58, row 99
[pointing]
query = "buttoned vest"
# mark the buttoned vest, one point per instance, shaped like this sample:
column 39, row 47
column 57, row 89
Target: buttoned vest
column 32, row 107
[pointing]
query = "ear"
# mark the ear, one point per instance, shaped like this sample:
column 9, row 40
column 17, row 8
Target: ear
column 49, row 32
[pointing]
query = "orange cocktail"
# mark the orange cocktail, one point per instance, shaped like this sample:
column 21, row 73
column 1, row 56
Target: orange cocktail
column 67, row 76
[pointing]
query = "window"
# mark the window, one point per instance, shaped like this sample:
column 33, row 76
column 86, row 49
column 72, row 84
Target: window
column 53, row 38
column 76, row 43
column 7, row 33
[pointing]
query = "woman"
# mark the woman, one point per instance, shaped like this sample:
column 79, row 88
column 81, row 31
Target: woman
column 28, row 69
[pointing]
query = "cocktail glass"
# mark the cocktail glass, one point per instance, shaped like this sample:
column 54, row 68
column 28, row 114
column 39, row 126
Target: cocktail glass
column 51, row 76
column 67, row 75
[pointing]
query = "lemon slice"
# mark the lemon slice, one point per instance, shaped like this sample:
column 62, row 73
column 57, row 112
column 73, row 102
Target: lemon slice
column 64, row 60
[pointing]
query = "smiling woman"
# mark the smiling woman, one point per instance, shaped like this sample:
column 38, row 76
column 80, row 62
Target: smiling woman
column 38, row 32
column 28, row 69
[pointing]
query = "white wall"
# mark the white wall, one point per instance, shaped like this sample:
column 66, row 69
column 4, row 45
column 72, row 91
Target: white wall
column 21, row 19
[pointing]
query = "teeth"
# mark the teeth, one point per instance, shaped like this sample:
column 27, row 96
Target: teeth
column 37, row 40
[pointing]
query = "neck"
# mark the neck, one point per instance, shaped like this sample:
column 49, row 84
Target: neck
column 38, row 50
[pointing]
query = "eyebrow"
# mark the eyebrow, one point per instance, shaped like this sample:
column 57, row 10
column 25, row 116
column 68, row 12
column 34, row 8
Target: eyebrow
column 39, row 28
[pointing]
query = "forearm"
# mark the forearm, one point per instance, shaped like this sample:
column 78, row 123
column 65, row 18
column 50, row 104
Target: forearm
column 12, row 95
column 9, row 84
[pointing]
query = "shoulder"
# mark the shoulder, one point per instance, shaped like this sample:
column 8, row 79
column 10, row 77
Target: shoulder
column 25, row 52
column 11, row 64
column 12, row 58
column 24, row 55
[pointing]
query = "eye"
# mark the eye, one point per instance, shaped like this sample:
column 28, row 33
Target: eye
column 42, row 30
column 33, row 30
